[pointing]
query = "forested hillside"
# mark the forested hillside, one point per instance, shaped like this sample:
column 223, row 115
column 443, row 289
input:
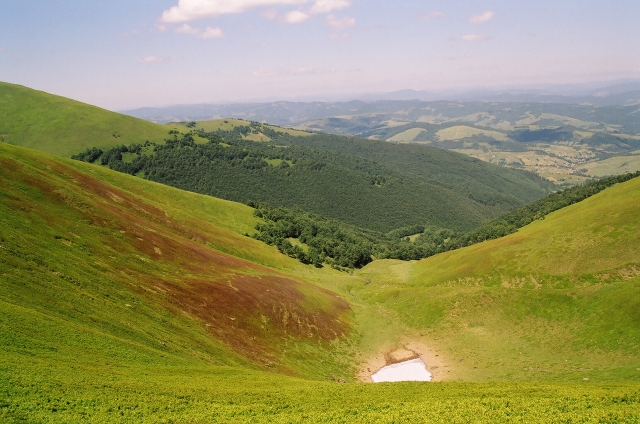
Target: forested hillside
column 341, row 178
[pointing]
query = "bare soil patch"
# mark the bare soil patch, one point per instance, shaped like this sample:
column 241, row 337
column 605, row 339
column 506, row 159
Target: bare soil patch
column 410, row 349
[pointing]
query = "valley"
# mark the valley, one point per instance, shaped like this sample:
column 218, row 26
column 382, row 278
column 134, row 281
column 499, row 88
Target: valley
column 126, row 299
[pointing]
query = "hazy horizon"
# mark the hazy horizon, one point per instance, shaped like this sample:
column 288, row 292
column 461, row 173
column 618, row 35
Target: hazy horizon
column 158, row 53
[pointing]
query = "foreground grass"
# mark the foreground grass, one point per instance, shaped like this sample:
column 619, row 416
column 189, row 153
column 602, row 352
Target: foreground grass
column 44, row 392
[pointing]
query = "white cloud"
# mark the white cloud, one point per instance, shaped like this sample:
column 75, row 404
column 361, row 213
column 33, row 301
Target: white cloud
column 334, row 22
column 432, row 15
column 295, row 17
column 343, row 36
column 211, row 32
column 188, row 10
column 187, row 29
column 326, row 6
column 155, row 59
column 482, row 18
column 474, row 37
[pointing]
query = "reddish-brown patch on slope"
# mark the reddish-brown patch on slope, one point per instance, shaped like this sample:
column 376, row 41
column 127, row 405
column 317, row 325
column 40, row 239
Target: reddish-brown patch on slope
column 250, row 307
column 256, row 314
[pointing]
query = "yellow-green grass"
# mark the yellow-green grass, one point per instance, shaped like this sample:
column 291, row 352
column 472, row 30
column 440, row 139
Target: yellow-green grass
column 614, row 166
column 92, row 328
column 463, row 131
column 406, row 136
column 229, row 124
column 163, row 394
column 558, row 300
column 65, row 127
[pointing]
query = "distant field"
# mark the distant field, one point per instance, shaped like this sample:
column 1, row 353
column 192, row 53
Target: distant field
column 461, row 131
column 615, row 165
column 230, row 124
column 406, row 136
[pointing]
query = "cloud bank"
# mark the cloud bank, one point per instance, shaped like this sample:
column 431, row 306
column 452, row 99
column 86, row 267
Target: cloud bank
column 209, row 32
column 188, row 10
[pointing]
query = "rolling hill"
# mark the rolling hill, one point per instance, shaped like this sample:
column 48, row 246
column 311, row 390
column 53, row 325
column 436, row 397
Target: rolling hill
column 563, row 138
column 557, row 300
column 366, row 183
column 62, row 126
column 126, row 300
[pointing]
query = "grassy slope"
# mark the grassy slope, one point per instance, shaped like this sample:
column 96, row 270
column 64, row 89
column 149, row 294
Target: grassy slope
column 135, row 272
column 229, row 124
column 558, row 300
column 99, row 326
column 64, row 127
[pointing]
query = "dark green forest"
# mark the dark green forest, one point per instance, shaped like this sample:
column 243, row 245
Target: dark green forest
column 343, row 246
column 380, row 187
column 341, row 201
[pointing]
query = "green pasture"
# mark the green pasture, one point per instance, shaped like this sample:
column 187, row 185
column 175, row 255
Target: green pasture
column 64, row 127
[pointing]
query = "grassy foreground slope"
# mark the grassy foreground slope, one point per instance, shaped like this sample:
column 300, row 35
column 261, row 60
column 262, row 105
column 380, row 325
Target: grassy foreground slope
column 97, row 274
column 62, row 126
column 122, row 300
column 558, row 300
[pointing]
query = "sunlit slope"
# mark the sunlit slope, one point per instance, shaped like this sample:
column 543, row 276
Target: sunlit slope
column 101, row 268
column 558, row 300
column 63, row 126
column 229, row 125
column 597, row 235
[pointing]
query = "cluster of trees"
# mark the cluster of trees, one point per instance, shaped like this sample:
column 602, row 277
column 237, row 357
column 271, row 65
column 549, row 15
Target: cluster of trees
column 345, row 246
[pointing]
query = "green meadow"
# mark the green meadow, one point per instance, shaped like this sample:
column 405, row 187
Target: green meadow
column 63, row 127
column 124, row 300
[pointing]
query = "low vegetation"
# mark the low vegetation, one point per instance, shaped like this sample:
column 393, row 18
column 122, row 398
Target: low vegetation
column 126, row 300
column 63, row 127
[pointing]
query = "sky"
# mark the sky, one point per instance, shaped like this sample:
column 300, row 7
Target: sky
column 122, row 54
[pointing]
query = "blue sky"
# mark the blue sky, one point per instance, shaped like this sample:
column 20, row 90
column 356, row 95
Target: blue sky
column 123, row 54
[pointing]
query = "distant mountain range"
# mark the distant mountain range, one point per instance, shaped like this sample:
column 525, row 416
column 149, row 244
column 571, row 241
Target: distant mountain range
column 295, row 111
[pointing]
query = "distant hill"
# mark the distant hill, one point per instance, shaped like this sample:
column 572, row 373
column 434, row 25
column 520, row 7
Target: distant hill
column 368, row 183
column 62, row 126
column 563, row 138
